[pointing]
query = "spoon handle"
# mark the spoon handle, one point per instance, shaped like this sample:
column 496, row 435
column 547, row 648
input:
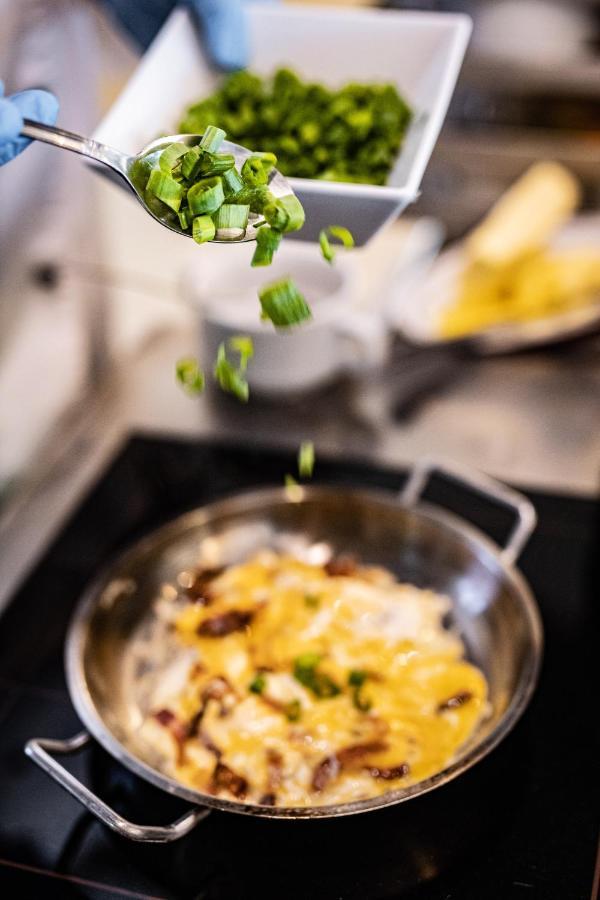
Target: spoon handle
column 66, row 140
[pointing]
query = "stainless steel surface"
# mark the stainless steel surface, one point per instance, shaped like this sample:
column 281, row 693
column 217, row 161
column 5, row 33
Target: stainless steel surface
column 492, row 607
column 123, row 164
column 486, row 487
column 39, row 750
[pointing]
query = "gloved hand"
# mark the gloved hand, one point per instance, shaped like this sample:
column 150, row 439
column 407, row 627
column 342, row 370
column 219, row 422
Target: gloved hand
column 221, row 24
column 39, row 105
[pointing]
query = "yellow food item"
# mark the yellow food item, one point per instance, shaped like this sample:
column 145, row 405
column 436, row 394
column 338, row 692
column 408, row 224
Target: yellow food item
column 312, row 684
column 534, row 286
column 526, row 216
column 510, row 275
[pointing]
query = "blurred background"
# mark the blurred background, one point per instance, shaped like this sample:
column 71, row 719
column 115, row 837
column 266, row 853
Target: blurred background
column 95, row 312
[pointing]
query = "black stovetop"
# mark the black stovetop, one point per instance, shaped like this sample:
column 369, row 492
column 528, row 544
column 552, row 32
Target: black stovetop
column 521, row 824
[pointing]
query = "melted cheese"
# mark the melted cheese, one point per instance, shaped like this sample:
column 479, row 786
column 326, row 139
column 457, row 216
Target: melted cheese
column 363, row 621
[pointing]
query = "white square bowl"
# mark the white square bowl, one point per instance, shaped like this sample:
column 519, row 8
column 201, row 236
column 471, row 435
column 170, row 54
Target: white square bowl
column 421, row 53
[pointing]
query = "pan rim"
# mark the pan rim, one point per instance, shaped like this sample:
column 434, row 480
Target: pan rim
column 242, row 501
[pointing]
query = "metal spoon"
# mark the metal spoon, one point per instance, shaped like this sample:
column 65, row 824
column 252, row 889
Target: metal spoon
column 125, row 166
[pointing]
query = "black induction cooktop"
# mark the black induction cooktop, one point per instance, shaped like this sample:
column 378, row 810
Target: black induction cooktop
column 521, row 824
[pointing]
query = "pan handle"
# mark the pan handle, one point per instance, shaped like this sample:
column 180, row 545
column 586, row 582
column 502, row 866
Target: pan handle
column 481, row 484
column 39, row 749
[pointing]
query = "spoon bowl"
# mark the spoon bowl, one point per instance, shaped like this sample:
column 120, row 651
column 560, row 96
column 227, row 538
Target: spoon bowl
column 134, row 171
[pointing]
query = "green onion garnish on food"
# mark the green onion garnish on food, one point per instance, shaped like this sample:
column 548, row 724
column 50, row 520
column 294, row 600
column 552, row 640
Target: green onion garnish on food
column 267, row 242
column 190, row 375
column 206, row 196
column 305, row 671
column 203, row 229
column 283, row 303
column 335, row 231
column 165, row 188
column 312, row 601
column 258, row 683
column 356, row 680
column 293, row 710
column 306, row 459
column 212, row 138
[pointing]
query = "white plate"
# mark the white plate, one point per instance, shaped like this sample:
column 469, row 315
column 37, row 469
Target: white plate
column 421, row 53
column 415, row 307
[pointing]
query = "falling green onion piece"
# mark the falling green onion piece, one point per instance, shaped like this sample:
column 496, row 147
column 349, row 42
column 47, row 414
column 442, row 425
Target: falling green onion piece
column 244, row 346
column 267, row 242
column 165, row 188
column 206, row 196
column 190, row 375
column 290, row 481
column 283, row 304
column 335, row 231
column 203, row 229
column 212, row 138
column 231, row 379
column 306, row 459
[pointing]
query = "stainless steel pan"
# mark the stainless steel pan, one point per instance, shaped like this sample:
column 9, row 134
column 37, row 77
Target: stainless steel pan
column 492, row 607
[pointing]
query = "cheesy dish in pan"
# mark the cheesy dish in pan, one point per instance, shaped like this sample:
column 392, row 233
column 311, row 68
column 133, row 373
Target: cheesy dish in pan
column 299, row 684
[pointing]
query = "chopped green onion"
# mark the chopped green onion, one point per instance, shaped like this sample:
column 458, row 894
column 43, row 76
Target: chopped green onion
column 257, row 168
column 290, row 481
column 185, row 218
column 171, row 156
column 206, row 196
column 285, row 213
column 356, row 680
column 336, row 231
column 190, row 375
column 231, row 216
column 306, row 459
column 267, row 242
column 232, row 182
column 165, row 188
column 244, row 346
column 230, row 378
column 256, row 197
column 258, row 683
column 203, row 229
column 283, row 303
column 305, row 671
column 189, row 162
column 312, row 601
column 212, row 138
column 293, row 710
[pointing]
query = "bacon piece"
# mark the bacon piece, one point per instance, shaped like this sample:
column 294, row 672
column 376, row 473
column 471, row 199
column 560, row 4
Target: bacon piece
column 456, row 701
column 164, row 716
column 388, row 774
column 268, row 800
column 325, row 771
column 330, row 767
column 341, row 565
column 224, row 778
column 198, row 591
column 226, row 623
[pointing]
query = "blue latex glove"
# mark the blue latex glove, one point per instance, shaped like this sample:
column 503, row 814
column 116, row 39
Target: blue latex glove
column 39, row 105
column 221, row 24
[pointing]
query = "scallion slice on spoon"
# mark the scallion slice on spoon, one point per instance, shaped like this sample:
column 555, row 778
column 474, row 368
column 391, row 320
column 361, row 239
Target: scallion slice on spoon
column 157, row 176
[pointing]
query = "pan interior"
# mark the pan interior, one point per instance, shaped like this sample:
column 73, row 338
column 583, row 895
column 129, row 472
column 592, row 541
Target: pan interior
column 491, row 608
